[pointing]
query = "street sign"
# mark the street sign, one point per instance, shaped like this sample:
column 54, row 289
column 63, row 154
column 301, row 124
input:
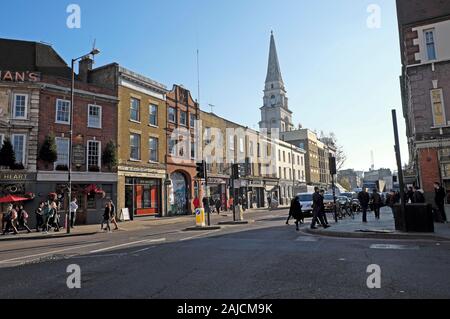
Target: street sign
column 78, row 152
column 200, row 219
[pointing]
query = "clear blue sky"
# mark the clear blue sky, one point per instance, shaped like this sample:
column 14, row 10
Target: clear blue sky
column 341, row 76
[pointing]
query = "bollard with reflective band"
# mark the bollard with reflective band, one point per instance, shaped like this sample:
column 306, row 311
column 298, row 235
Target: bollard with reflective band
column 200, row 219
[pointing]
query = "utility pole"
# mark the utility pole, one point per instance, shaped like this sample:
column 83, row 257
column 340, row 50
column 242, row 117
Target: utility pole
column 399, row 159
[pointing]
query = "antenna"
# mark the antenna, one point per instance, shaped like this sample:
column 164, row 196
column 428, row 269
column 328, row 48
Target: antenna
column 198, row 76
column 93, row 48
column 372, row 158
column 211, row 106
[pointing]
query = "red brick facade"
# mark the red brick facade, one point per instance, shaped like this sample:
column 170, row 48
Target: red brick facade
column 429, row 168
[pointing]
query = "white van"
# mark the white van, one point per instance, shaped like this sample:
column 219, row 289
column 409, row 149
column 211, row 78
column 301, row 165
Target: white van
column 306, row 200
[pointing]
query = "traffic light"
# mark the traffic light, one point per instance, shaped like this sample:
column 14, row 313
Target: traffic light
column 333, row 170
column 235, row 171
column 201, row 170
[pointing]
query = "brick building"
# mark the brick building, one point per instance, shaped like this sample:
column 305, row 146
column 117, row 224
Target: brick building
column 424, row 28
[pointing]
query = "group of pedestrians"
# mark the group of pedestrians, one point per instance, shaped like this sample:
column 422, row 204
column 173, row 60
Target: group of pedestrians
column 319, row 215
column 415, row 195
column 109, row 216
column 365, row 199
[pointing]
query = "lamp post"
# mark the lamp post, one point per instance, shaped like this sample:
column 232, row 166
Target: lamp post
column 72, row 93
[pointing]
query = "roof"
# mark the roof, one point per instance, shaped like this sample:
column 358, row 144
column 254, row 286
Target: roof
column 19, row 55
column 415, row 11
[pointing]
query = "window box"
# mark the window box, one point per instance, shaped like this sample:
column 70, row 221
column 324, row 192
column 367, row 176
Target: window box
column 62, row 168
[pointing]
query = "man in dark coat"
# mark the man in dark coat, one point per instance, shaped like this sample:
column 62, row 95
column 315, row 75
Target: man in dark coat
column 317, row 206
column 364, row 200
column 439, row 199
column 418, row 197
column 376, row 200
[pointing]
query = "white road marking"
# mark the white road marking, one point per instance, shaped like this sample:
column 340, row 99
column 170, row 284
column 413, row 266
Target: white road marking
column 393, row 247
column 128, row 244
column 200, row 235
column 46, row 253
column 307, row 239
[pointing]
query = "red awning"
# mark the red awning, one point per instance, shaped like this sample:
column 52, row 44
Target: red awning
column 12, row 199
column 93, row 189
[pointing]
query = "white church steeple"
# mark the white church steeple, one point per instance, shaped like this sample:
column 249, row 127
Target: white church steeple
column 275, row 113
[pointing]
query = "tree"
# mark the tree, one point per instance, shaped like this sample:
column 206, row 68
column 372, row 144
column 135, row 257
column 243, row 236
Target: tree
column 48, row 152
column 110, row 155
column 7, row 155
column 341, row 157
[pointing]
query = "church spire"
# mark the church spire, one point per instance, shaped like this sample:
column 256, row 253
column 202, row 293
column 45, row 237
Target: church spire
column 273, row 70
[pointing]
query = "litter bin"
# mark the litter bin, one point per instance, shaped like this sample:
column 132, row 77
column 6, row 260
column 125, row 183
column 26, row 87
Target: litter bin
column 415, row 218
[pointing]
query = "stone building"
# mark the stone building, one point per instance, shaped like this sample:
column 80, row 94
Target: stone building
column 424, row 28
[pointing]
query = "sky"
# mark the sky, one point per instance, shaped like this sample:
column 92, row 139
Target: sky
column 341, row 73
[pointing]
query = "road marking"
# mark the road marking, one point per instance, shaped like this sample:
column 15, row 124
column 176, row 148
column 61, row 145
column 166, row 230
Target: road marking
column 46, row 253
column 393, row 247
column 128, row 244
column 307, row 239
column 200, row 235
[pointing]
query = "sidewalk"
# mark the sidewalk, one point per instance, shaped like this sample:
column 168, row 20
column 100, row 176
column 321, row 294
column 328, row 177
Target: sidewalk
column 86, row 230
column 381, row 229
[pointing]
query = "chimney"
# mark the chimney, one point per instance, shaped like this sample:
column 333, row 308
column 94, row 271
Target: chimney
column 85, row 66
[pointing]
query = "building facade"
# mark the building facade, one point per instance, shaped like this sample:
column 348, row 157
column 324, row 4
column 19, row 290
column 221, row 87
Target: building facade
column 424, row 28
column 141, row 137
column 182, row 151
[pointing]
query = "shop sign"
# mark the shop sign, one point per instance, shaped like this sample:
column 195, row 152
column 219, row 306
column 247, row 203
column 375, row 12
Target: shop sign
column 12, row 176
column 78, row 154
column 256, row 184
column 21, row 76
column 212, row 180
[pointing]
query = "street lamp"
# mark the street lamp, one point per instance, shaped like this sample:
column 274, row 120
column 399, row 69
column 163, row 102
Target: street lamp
column 72, row 91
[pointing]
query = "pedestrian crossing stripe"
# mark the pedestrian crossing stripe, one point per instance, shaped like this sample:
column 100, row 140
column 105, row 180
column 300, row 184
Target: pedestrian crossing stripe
column 393, row 247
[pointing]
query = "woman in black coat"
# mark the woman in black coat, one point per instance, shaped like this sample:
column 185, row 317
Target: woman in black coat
column 296, row 212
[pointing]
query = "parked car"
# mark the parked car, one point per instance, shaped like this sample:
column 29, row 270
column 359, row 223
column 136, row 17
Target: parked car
column 306, row 200
column 328, row 202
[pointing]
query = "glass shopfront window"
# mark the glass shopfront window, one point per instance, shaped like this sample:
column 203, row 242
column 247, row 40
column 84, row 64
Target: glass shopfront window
column 143, row 196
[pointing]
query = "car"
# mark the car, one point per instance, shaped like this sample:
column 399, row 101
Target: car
column 306, row 200
column 328, row 203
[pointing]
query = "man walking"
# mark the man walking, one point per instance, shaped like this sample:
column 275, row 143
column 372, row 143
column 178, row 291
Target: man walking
column 317, row 206
column 439, row 199
column 376, row 200
column 73, row 211
column 364, row 200
column 418, row 197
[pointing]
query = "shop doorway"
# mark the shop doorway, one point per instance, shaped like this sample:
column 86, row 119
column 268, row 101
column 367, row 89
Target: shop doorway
column 180, row 194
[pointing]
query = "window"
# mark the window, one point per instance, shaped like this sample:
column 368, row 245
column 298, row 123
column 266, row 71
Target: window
column 135, row 147
column 18, row 141
column 172, row 147
column 284, row 156
column 20, row 106
column 298, row 160
column 258, row 150
column 207, row 137
column 289, row 157
column 153, row 149
column 279, row 155
column 94, row 116
column 172, row 115
column 193, row 119
column 62, row 149
column 250, row 148
column 439, row 118
column 183, row 118
column 135, row 106
column 283, row 127
column 269, row 150
column 284, row 171
column 231, row 141
column 153, row 115
column 93, row 154
column 429, row 41
column 279, row 172
column 241, row 145
column 192, row 149
column 62, row 112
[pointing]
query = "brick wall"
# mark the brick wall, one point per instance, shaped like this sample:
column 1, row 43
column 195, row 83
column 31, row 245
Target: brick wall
column 429, row 168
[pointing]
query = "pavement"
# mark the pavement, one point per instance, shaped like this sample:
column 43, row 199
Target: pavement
column 382, row 229
column 264, row 259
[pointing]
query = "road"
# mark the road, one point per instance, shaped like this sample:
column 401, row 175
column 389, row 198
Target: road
column 264, row 259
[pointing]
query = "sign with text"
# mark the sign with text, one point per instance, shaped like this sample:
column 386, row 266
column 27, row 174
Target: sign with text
column 19, row 76
column 13, row 176
column 125, row 214
column 78, row 152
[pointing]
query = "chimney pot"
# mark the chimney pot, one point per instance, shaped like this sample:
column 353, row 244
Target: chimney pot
column 85, row 66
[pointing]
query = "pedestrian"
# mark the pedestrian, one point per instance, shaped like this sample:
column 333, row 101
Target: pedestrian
column 206, row 205
column 73, row 211
column 230, row 203
column 295, row 212
column 106, row 217
column 439, row 200
column 364, row 200
column 39, row 212
column 418, row 197
column 11, row 218
column 269, row 201
column 376, row 201
column 322, row 208
column 47, row 216
column 409, row 195
column 54, row 216
column 317, row 206
column 196, row 202
column 218, row 205
column 113, row 214
column 22, row 218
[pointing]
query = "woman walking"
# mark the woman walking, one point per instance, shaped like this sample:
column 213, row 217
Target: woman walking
column 106, row 217
column 295, row 212
column 39, row 216
column 11, row 218
column 23, row 218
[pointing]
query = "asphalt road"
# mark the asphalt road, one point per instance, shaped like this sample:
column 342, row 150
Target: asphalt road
column 264, row 259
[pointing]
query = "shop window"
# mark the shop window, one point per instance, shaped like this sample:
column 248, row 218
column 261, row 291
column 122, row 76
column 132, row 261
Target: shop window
column 91, row 202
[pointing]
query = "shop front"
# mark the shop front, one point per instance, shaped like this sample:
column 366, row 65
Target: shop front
column 256, row 193
column 217, row 189
column 179, row 194
column 143, row 196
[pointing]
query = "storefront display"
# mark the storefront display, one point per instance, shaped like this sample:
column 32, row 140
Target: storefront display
column 143, row 196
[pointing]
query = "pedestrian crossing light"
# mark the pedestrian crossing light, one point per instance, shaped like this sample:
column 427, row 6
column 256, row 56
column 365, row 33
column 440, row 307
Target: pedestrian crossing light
column 236, row 171
column 201, row 170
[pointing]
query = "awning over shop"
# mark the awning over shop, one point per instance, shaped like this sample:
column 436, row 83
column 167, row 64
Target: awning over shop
column 12, row 199
column 271, row 188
